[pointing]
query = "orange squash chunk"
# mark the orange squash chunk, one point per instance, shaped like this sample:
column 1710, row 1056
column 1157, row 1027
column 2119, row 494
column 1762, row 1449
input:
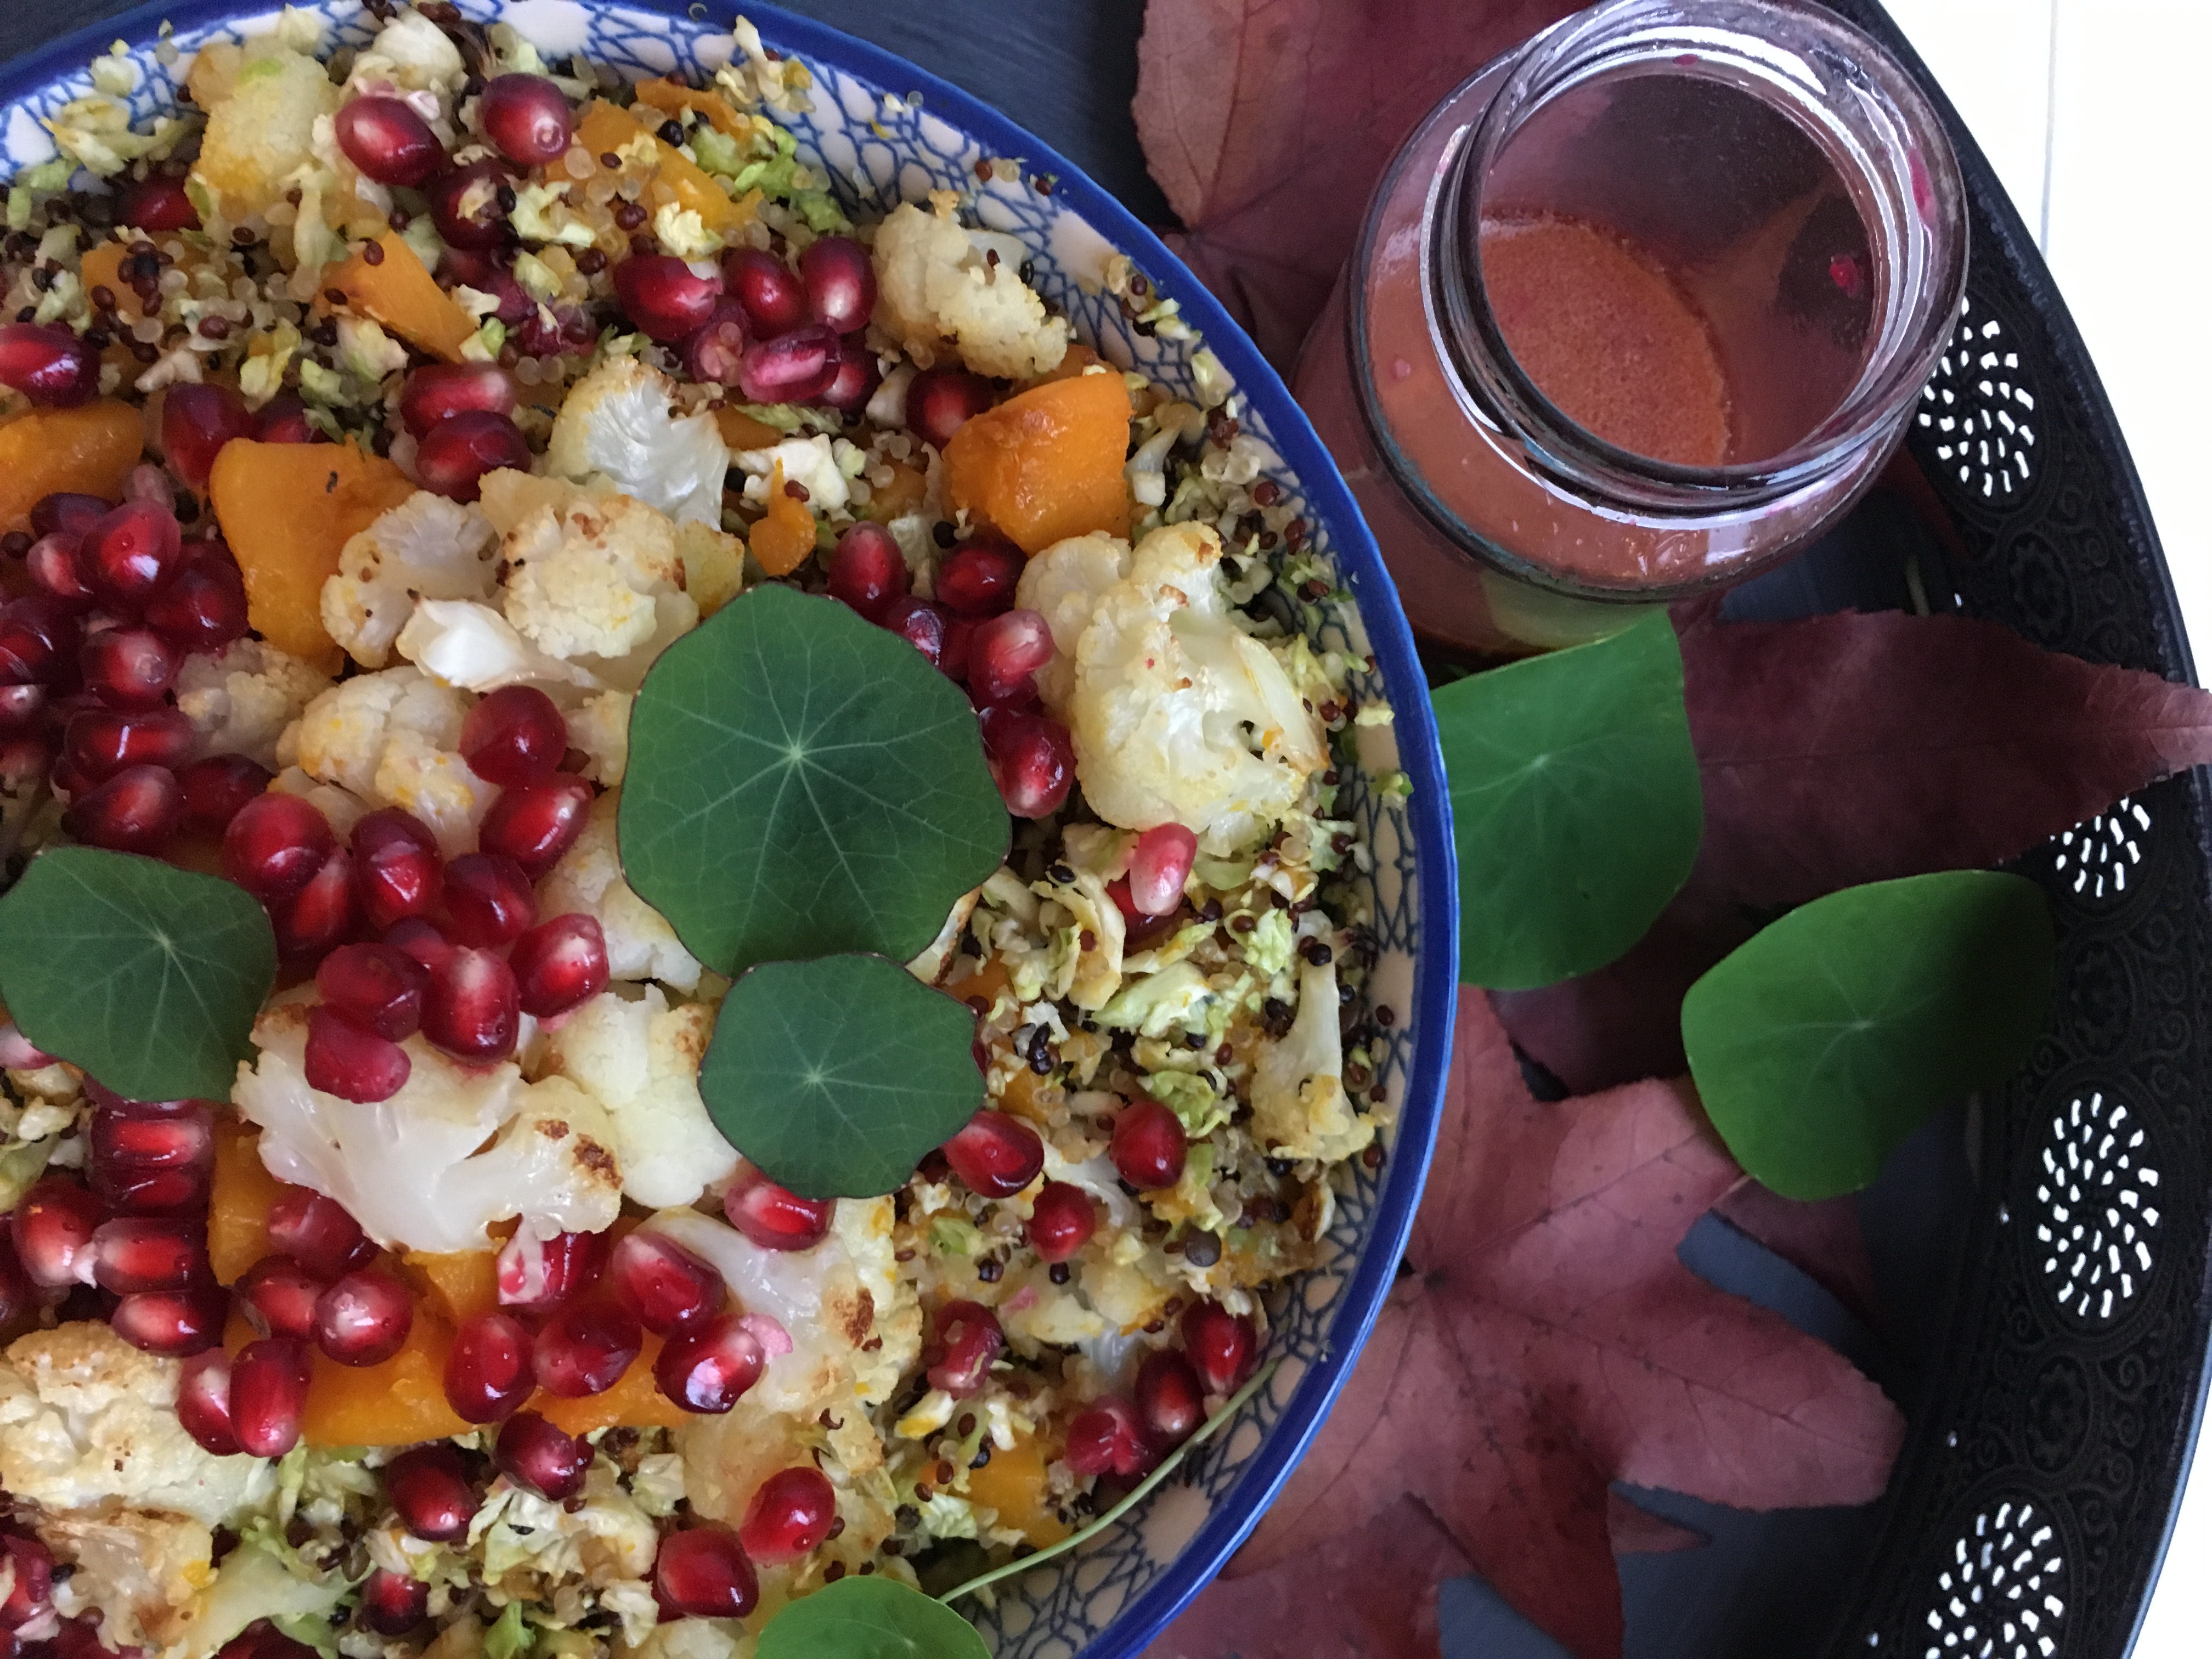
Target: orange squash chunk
column 781, row 541
column 394, row 1404
column 456, row 1286
column 673, row 98
column 239, row 1195
column 286, row 510
column 740, row 431
column 89, row 449
column 1079, row 357
column 1046, row 464
column 401, row 294
column 635, row 1402
column 1013, row 1483
column 605, row 129
column 901, row 496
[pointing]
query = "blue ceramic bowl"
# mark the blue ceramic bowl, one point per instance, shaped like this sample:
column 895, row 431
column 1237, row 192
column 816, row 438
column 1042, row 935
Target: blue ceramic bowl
column 885, row 131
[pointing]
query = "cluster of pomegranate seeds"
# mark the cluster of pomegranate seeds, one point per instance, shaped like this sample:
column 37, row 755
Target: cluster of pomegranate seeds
column 967, row 1338
column 1106, row 1439
column 790, row 1515
column 995, row 1154
column 702, row 1573
column 1122, row 1438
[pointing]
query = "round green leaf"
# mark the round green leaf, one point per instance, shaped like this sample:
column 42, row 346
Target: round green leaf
column 1822, row 1041
column 836, row 1076
column 146, row 975
column 872, row 1617
column 1576, row 804
column 802, row 782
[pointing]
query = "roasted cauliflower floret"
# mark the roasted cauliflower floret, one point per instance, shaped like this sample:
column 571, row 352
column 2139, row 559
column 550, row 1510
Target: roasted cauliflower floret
column 589, row 575
column 428, row 547
column 640, row 1058
column 392, row 739
column 1178, row 715
column 240, row 701
column 138, row 1570
column 1299, row 1108
column 640, row 944
column 943, row 301
column 600, row 727
column 618, row 423
column 458, row 1148
column 263, row 128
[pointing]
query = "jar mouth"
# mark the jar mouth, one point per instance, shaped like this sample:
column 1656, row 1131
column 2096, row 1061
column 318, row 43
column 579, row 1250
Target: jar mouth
column 1869, row 122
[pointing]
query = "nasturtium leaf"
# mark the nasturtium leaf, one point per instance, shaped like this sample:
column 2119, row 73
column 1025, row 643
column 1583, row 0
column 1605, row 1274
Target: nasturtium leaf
column 1575, row 804
column 837, row 1076
column 147, row 977
column 873, row 1618
column 802, row 782
column 1822, row 1041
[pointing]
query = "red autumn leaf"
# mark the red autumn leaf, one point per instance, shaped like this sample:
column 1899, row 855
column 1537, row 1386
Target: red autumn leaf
column 1547, row 1344
column 1267, row 124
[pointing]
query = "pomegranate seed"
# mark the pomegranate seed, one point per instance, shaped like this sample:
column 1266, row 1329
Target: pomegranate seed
column 153, row 1192
column 129, row 667
column 1220, row 1347
column 454, row 455
column 421, row 941
column 144, row 1253
column 538, row 1273
column 867, row 571
column 440, row 390
column 1160, row 865
column 532, row 1453
column 1107, row 1438
column 796, row 367
column 317, row 1233
column 30, row 1581
column 715, row 354
column 1170, row 1403
column 774, row 298
column 919, row 623
column 858, row 376
column 68, row 510
column 840, row 283
column 101, row 742
column 1004, row 656
column 268, row 1392
column 465, row 206
column 131, row 552
column 775, row 1217
column 320, row 915
column 526, row 117
column 261, row 1640
column 377, row 986
column 554, row 331
column 55, row 565
column 473, row 1009
column 275, row 845
column 514, row 736
column 143, row 1160
column 488, row 1370
column 483, row 273
column 489, row 901
column 559, row 965
column 703, row 1574
column 1149, row 1145
column 203, row 608
column 397, row 872
column 364, row 1318
column 978, row 579
column 216, row 790
column 940, row 401
column 18, row 1296
column 136, row 810
column 995, row 1154
column 18, row 1053
column 283, row 420
column 707, row 1368
column 173, row 1323
column 430, row 1493
column 39, row 636
column 393, row 1603
column 51, row 367
column 665, row 297
column 52, row 1227
column 534, row 824
column 1061, row 1220
column 585, row 1349
column 346, row 1059
column 968, row 1339
column 21, row 706
column 789, row 1516
column 157, row 203
column 663, row 1284
column 278, row 1296
column 204, row 1401
column 197, row 421
column 388, row 141
column 1031, row 761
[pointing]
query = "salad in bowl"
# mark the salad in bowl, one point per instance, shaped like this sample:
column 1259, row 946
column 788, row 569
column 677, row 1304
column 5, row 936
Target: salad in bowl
column 712, row 891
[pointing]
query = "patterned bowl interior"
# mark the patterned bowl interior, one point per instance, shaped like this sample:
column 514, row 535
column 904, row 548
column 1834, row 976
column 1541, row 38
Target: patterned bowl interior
column 885, row 132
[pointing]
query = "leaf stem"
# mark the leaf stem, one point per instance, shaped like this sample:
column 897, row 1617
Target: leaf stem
column 1142, row 1490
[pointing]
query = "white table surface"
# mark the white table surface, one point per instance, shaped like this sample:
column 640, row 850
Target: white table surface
column 2092, row 113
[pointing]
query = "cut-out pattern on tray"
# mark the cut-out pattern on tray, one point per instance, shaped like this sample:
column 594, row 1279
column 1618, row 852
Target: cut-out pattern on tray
column 2098, row 1207
column 1980, row 410
column 1999, row 1596
column 2098, row 858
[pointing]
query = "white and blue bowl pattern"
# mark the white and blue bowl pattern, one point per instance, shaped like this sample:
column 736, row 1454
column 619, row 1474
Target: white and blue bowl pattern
column 885, row 132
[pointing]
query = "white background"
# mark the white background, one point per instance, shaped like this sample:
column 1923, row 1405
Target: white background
column 2095, row 114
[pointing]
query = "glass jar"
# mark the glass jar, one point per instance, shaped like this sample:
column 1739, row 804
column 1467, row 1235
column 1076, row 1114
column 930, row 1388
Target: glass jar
column 1639, row 309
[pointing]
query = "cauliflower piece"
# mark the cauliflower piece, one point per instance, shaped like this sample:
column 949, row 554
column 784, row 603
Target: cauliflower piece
column 601, row 729
column 940, row 298
column 263, row 129
column 341, row 807
column 640, row 1059
column 1300, row 1108
column 640, row 944
column 809, row 462
column 410, row 53
column 410, row 1169
column 86, row 1419
column 427, row 547
column 466, row 644
column 1062, row 585
column 136, row 1570
column 392, row 739
column 240, row 702
column 617, row 422
column 1178, row 715
column 584, row 567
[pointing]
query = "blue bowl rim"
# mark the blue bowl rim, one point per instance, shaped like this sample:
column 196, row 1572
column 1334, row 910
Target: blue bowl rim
column 1435, row 969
